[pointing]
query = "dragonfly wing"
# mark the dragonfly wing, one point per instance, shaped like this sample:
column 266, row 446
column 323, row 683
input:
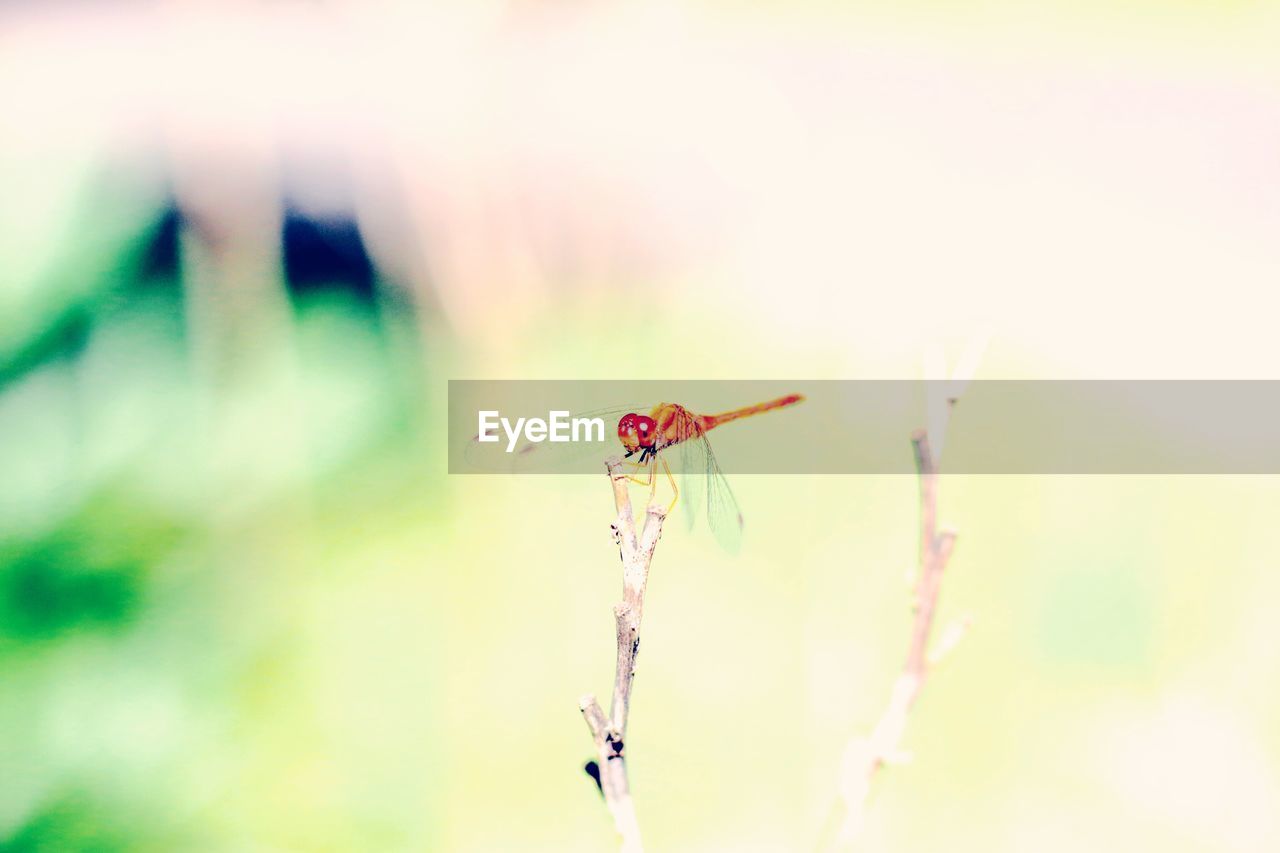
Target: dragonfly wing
column 692, row 477
column 721, row 507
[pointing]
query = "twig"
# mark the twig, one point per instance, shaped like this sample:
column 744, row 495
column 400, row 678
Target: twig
column 609, row 733
column 865, row 756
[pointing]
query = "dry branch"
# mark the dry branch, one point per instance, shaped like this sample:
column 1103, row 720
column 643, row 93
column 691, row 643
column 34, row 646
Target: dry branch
column 609, row 733
column 865, row 756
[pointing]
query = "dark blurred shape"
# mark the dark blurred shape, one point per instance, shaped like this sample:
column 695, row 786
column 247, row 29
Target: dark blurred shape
column 160, row 259
column 326, row 256
column 593, row 770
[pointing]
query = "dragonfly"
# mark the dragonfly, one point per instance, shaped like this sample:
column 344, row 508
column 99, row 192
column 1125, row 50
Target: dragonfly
column 670, row 433
column 671, row 428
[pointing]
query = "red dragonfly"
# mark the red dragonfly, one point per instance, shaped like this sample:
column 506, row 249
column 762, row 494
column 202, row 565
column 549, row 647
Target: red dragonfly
column 669, row 428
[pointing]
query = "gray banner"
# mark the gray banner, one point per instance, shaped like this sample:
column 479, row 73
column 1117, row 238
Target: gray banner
column 864, row 427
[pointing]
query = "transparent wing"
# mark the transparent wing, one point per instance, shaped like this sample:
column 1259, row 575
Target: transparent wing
column 723, row 512
column 708, row 494
column 692, row 478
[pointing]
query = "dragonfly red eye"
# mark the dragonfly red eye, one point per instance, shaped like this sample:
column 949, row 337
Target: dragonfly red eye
column 646, row 430
column 636, row 431
column 627, row 432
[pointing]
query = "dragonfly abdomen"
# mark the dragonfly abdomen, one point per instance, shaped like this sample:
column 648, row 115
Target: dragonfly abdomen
column 746, row 411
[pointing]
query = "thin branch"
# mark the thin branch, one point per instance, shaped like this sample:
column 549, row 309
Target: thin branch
column 865, row 756
column 609, row 732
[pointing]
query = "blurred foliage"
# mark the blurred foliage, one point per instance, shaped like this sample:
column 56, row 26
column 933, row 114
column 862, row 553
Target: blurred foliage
column 72, row 822
column 140, row 480
column 88, row 573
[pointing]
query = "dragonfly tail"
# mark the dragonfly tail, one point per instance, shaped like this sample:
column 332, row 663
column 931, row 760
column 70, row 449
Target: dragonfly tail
column 710, row 421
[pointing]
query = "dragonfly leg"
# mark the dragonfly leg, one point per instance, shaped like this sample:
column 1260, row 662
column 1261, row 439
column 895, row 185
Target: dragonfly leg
column 675, row 492
column 638, row 467
column 653, row 479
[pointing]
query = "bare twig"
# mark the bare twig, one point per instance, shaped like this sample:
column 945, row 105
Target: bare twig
column 864, row 756
column 609, row 733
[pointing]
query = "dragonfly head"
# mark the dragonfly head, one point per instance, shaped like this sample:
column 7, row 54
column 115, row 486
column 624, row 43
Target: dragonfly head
column 636, row 432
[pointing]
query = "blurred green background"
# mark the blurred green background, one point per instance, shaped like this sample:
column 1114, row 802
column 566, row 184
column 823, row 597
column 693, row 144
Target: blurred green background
column 243, row 607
